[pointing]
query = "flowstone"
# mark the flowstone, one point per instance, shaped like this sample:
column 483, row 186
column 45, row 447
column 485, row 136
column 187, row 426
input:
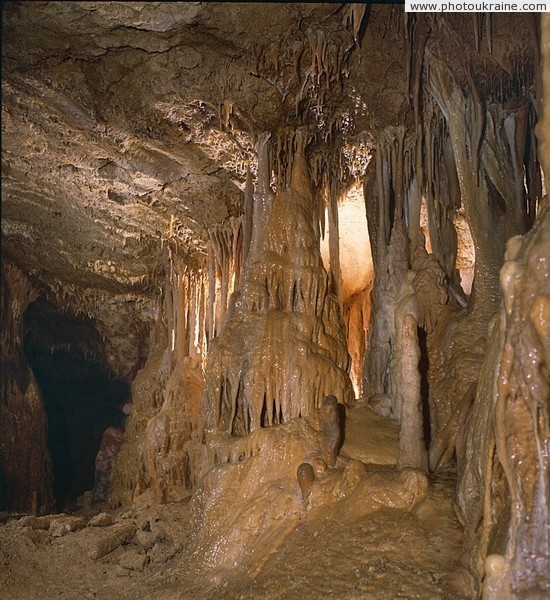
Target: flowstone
column 284, row 348
column 281, row 352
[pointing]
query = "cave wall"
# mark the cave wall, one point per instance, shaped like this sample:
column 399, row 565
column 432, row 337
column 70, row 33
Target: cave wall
column 503, row 485
column 68, row 357
column 26, row 471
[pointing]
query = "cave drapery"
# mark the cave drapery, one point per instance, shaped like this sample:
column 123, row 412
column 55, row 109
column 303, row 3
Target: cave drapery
column 170, row 172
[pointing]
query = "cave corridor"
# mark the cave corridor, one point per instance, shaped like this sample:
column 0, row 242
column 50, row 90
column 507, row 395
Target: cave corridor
column 275, row 301
column 80, row 399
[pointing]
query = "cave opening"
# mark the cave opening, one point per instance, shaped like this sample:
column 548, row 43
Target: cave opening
column 81, row 397
column 357, row 275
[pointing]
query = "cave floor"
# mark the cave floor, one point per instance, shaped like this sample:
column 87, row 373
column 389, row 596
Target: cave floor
column 387, row 554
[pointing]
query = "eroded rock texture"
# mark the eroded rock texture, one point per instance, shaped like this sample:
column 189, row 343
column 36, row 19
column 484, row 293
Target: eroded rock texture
column 26, row 469
column 503, row 490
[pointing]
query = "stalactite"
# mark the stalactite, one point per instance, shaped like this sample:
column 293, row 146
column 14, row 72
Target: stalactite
column 173, row 291
column 515, row 128
column 160, row 460
column 477, row 27
column 533, row 172
column 414, row 205
column 408, row 29
column 224, row 259
column 489, row 31
column 262, row 198
column 237, row 250
column 472, row 186
column 421, row 33
column 211, row 288
column 328, row 55
column 354, row 18
column 181, row 311
column 391, row 256
column 334, row 247
column 395, row 144
column 477, row 121
column 383, row 202
column 202, row 339
column 442, row 193
column 247, row 217
column 168, row 300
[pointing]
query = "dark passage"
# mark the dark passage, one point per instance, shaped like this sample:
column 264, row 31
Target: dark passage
column 80, row 398
column 424, row 388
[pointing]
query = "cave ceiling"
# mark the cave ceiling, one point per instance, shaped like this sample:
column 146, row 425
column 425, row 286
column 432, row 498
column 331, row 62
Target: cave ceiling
column 127, row 124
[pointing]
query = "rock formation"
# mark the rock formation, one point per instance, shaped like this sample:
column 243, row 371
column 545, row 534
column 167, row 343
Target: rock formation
column 177, row 185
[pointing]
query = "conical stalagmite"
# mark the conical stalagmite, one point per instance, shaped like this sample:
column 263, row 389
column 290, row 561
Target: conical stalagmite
column 284, row 317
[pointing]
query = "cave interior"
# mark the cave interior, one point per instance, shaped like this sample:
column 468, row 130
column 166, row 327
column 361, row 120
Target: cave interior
column 275, row 299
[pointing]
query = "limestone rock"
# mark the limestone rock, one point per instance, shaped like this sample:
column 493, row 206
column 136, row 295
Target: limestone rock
column 60, row 526
column 102, row 519
column 134, row 560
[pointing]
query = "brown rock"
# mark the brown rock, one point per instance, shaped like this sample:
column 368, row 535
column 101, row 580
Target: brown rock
column 331, row 433
column 112, row 538
column 101, row 520
column 133, row 560
column 305, row 479
column 62, row 526
column 36, row 522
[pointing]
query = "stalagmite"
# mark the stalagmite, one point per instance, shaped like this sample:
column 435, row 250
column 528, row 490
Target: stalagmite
column 495, row 568
column 285, row 317
column 331, row 430
column 319, row 467
column 412, row 447
column 521, row 414
column 305, row 477
column 505, row 438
